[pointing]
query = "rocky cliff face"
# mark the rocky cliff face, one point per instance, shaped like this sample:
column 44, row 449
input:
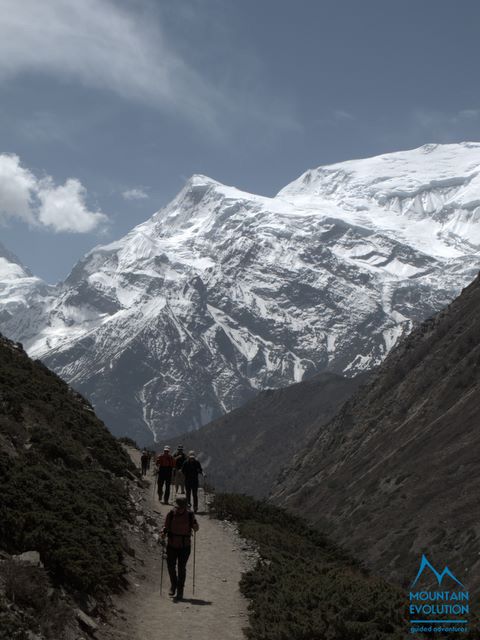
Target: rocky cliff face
column 223, row 293
column 395, row 474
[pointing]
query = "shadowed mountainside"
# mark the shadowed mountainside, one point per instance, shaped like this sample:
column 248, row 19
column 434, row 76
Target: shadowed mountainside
column 396, row 473
column 245, row 450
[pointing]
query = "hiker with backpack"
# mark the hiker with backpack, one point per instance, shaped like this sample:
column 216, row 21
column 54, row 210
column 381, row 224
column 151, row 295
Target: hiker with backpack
column 165, row 466
column 180, row 525
column 191, row 469
column 180, row 458
column 144, row 462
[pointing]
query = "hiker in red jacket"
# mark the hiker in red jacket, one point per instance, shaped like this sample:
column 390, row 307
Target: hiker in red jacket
column 165, row 466
column 180, row 524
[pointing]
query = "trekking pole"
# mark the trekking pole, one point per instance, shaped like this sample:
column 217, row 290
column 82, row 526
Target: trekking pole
column 194, row 558
column 161, row 571
column 154, row 482
column 205, row 492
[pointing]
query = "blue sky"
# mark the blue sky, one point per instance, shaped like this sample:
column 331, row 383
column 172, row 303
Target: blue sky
column 107, row 107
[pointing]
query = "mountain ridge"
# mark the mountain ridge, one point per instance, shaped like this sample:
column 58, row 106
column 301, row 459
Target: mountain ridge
column 244, row 450
column 392, row 475
column 222, row 293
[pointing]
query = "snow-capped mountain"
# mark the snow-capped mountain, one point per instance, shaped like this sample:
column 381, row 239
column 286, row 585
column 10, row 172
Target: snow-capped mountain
column 22, row 295
column 223, row 293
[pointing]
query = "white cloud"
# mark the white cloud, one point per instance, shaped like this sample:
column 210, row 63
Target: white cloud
column 63, row 208
column 135, row 194
column 16, row 188
column 40, row 202
column 105, row 46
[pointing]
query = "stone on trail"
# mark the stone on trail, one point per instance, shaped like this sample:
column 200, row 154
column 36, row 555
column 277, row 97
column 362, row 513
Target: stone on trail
column 29, row 557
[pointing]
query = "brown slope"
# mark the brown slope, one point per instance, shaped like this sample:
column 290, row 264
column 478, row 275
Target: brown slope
column 397, row 472
column 245, row 450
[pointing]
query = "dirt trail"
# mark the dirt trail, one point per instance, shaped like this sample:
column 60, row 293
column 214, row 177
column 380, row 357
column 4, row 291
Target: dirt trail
column 217, row 610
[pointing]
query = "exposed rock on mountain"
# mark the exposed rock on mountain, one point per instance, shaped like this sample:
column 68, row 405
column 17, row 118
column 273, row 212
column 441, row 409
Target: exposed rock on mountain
column 223, row 293
column 245, row 450
column 395, row 474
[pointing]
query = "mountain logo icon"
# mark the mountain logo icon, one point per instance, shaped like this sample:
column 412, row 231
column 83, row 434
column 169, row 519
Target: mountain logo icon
column 425, row 564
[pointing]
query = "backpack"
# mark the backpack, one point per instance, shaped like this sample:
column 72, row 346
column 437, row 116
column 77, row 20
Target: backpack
column 181, row 524
column 179, row 460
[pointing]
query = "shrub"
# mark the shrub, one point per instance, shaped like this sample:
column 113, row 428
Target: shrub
column 26, row 585
column 306, row 587
column 29, row 588
column 63, row 491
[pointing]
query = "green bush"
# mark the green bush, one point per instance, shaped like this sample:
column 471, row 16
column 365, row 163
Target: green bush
column 63, row 489
column 11, row 626
column 306, row 588
column 36, row 606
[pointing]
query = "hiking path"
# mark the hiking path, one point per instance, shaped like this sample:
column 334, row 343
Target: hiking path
column 217, row 610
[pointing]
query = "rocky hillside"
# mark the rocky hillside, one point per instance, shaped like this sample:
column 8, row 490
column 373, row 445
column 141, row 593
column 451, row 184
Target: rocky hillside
column 245, row 450
column 224, row 293
column 63, row 499
column 395, row 474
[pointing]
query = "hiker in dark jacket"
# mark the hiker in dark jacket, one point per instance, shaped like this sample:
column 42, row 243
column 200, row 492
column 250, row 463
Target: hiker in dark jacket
column 179, row 478
column 144, row 461
column 191, row 470
column 165, row 466
column 180, row 524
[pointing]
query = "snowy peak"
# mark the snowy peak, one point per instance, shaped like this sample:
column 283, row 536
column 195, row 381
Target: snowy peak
column 198, row 180
column 223, row 293
column 21, row 295
column 404, row 173
column 201, row 205
column 10, row 266
column 429, row 196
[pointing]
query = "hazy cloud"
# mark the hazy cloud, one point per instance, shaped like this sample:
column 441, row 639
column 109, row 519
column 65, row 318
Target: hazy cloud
column 336, row 118
column 40, row 202
column 443, row 126
column 341, row 114
column 135, row 194
column 105, row 46
column 120, row 47
column 467, row 114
